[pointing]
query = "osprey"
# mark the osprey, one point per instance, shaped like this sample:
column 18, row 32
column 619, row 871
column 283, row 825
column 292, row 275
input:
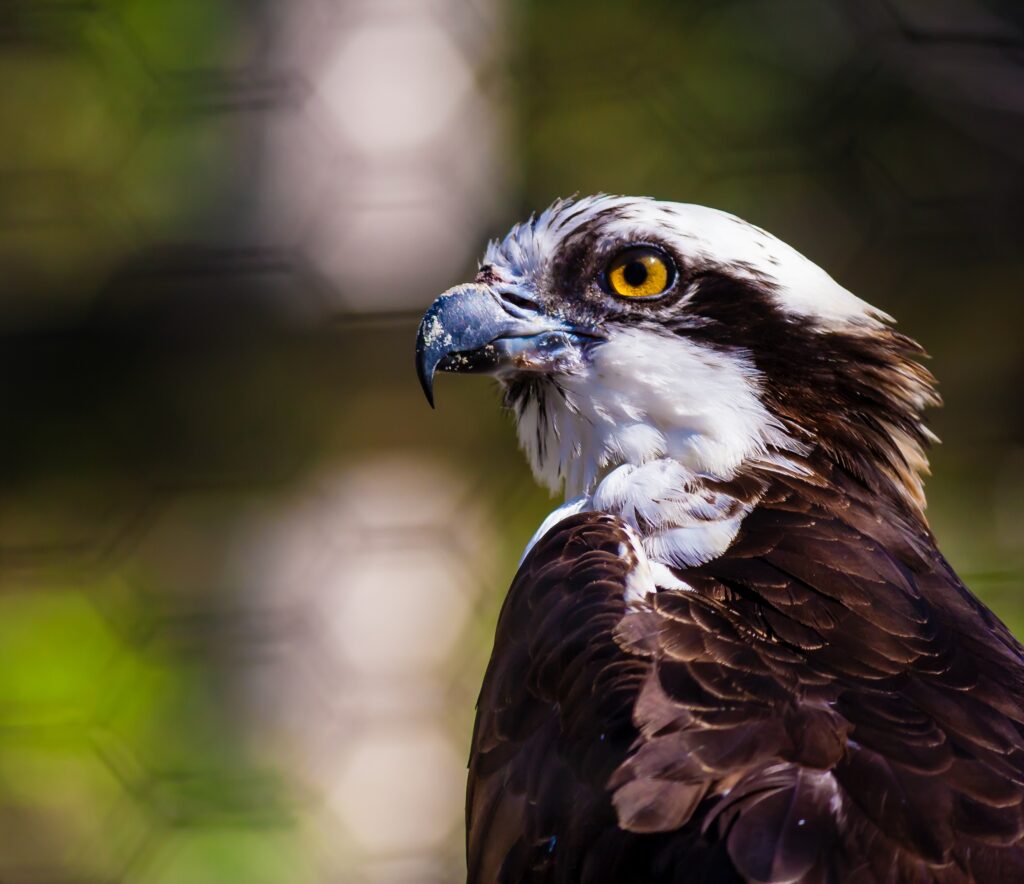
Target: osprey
column 735, row 653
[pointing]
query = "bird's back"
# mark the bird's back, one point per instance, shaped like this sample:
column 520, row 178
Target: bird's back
column 824, row 703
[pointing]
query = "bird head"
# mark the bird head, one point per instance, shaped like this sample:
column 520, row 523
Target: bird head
column 624, row 330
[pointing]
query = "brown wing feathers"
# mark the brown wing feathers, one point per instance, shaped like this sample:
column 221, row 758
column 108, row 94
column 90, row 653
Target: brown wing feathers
column 555, row 719
column 928, row 690
column 539, row 761
column 828, row 704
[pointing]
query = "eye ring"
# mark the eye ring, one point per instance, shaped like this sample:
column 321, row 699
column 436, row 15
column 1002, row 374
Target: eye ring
column 639, row 272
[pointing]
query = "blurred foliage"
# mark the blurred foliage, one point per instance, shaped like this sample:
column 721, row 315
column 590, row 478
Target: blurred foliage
column 151, row 351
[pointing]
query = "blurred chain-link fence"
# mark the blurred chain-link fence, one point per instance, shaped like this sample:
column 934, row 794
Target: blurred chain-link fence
column 247, row 580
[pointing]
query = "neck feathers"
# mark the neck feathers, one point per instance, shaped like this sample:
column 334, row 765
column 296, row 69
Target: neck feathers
column 848, row 400
column 858, row 405
column 646, row 394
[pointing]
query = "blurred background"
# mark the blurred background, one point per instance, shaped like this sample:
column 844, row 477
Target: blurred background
column 248, row 580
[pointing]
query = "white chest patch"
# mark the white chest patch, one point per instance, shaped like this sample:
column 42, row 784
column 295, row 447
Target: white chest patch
column 647, row 577
column 680, row 522
column 673, row 521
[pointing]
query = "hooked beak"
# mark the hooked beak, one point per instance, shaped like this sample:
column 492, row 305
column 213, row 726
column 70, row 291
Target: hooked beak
column 470, row 328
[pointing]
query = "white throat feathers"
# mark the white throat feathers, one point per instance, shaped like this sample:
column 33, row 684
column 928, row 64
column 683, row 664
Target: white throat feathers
column 644, row 443
column 647, row 395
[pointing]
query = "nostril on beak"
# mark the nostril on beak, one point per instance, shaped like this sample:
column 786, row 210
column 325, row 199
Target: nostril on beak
column 517, row 300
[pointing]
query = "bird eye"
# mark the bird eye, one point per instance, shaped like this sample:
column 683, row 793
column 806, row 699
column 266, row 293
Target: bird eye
column 640, row 272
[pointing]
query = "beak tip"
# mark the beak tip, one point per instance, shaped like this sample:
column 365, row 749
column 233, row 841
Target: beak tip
column 426, row 376
column 462, row 320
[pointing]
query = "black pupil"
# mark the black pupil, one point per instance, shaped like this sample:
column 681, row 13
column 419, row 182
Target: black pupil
column 635, row 273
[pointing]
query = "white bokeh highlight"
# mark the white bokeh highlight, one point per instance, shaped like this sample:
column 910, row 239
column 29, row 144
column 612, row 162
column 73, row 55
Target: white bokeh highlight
column 395, row 84
column 371, row 574
column 393, row 170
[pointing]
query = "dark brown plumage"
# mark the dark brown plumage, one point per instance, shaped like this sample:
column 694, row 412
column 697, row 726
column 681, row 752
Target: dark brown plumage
column 704, row 738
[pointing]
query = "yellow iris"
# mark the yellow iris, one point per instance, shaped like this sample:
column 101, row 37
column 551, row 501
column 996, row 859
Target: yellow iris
column 639, row 272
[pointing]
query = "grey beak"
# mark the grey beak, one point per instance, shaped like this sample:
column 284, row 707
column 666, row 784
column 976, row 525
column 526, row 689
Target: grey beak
column 455, row 332
column 470, row 328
